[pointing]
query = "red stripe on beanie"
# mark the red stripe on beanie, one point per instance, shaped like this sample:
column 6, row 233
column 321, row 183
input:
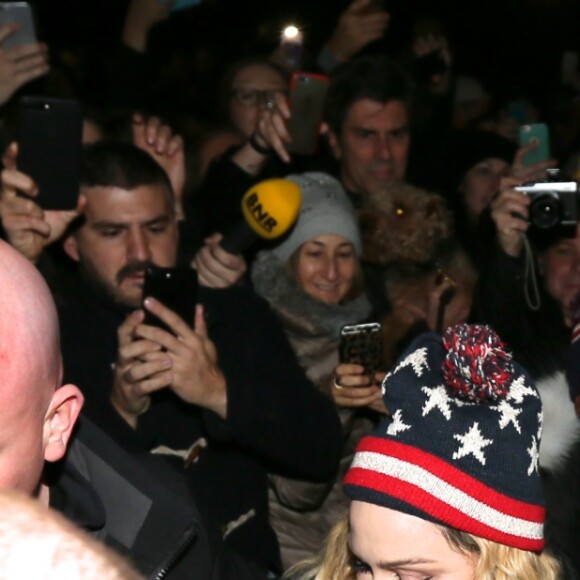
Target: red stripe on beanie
column 454, row 477
column 429, row 504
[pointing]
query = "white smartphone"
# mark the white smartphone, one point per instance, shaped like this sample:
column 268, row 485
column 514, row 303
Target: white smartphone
column 21, row 14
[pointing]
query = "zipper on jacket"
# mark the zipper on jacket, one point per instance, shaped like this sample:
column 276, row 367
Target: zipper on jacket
column 176, row 555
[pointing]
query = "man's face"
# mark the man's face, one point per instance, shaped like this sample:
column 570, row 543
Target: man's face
column 373, row 145
column 560, row 267
column 124, row 232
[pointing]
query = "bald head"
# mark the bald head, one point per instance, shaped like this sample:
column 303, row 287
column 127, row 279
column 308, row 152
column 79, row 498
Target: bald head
column 37, row 415
column 29, row 339
column 36, row 542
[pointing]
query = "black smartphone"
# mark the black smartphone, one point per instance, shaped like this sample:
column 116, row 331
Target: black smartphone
column 19, row 13
column 176, row 288
column 362, row 344
column 307, row 96
column 49, row 148
column 423, row 68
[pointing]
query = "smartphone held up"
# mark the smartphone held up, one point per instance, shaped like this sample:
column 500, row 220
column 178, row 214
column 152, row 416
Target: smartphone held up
column 307, row 96
column 176, row 289
column 18, row 14
column 49, row 139
column 538, row 134
column 362, row 344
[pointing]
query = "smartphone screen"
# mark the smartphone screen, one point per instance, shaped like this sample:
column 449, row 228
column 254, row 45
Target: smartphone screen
column 538, row 134
column 21, row 14
column 362, row 344
column 176, row 288
column 49, row 148
column 307, row 96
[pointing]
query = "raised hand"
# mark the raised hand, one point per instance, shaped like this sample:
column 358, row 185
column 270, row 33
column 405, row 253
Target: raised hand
column 357, row 26
column 19, row 65
column 28, row 227
column 217, row 268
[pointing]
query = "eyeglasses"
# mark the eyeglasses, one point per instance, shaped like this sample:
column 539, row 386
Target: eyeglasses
column 255, row 97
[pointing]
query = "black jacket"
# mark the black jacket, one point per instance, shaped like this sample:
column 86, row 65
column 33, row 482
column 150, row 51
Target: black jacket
column 277, row 421
column 149, row 519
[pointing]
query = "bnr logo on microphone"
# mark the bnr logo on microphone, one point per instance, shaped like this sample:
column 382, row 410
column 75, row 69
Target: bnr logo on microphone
column 264, row 219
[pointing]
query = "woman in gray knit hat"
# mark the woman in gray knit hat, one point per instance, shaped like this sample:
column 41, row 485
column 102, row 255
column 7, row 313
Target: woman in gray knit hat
column 313, row 282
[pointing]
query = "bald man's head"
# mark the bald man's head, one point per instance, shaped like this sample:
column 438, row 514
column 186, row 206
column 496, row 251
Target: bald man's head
column 28, row 324
column 36, row 414
column 36, row 542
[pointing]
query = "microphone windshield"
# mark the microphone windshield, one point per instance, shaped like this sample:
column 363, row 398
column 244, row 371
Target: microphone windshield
column 271, row 207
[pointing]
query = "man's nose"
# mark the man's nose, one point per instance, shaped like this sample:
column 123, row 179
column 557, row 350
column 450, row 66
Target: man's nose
column 383, row 147
column 138, row 246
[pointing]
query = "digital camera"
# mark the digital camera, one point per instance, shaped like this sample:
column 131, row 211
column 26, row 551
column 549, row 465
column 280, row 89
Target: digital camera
column 554, row 203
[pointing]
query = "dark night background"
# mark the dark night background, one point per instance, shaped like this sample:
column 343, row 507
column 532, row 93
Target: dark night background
column 510, row 45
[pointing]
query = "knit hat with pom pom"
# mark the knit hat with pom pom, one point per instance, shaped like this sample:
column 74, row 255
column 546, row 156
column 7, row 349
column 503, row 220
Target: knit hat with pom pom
column 461, row 445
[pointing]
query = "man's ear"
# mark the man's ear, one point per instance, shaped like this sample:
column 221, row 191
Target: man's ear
column 59, row 421
column 333, row 143
column 71, row 248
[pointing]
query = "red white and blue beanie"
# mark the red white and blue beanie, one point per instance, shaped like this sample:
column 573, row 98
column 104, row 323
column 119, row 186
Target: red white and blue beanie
column 461, row 447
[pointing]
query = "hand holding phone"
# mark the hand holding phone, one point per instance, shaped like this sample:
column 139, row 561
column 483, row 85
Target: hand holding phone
column 537, row 134
column 19, row 14
column 49, row 149
column 362, row 344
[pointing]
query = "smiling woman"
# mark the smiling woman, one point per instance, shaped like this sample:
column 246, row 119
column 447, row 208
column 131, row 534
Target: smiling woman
column 312, row 281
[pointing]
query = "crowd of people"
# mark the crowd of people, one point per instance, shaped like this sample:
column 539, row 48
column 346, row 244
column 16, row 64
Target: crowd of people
column 244, row 442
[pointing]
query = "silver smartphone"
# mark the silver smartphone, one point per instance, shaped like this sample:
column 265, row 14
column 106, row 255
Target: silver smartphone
column 21, row 14
column 362, row 344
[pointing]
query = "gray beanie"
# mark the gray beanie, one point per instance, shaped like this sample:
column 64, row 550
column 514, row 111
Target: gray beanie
column 325, row 209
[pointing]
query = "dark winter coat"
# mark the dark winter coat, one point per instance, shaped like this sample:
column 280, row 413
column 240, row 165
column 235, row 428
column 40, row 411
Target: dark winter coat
column 276, row 420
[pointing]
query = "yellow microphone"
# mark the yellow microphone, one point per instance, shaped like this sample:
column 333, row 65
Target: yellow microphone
column 270, row 209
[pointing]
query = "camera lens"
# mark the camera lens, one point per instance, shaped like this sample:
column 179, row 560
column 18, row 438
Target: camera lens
column 545, row 212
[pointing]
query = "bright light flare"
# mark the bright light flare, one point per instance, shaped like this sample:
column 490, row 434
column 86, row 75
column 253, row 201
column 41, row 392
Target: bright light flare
column 291, row 32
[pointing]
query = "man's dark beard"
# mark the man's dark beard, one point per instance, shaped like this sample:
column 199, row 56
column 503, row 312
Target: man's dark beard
column 92, row 277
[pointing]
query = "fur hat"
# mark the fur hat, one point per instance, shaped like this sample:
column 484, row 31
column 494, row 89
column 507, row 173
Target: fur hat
column 462, row 445
column 403, row 223
column 325, row 209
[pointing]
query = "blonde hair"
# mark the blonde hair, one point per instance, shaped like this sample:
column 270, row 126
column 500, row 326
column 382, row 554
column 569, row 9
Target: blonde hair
column 494, row 562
